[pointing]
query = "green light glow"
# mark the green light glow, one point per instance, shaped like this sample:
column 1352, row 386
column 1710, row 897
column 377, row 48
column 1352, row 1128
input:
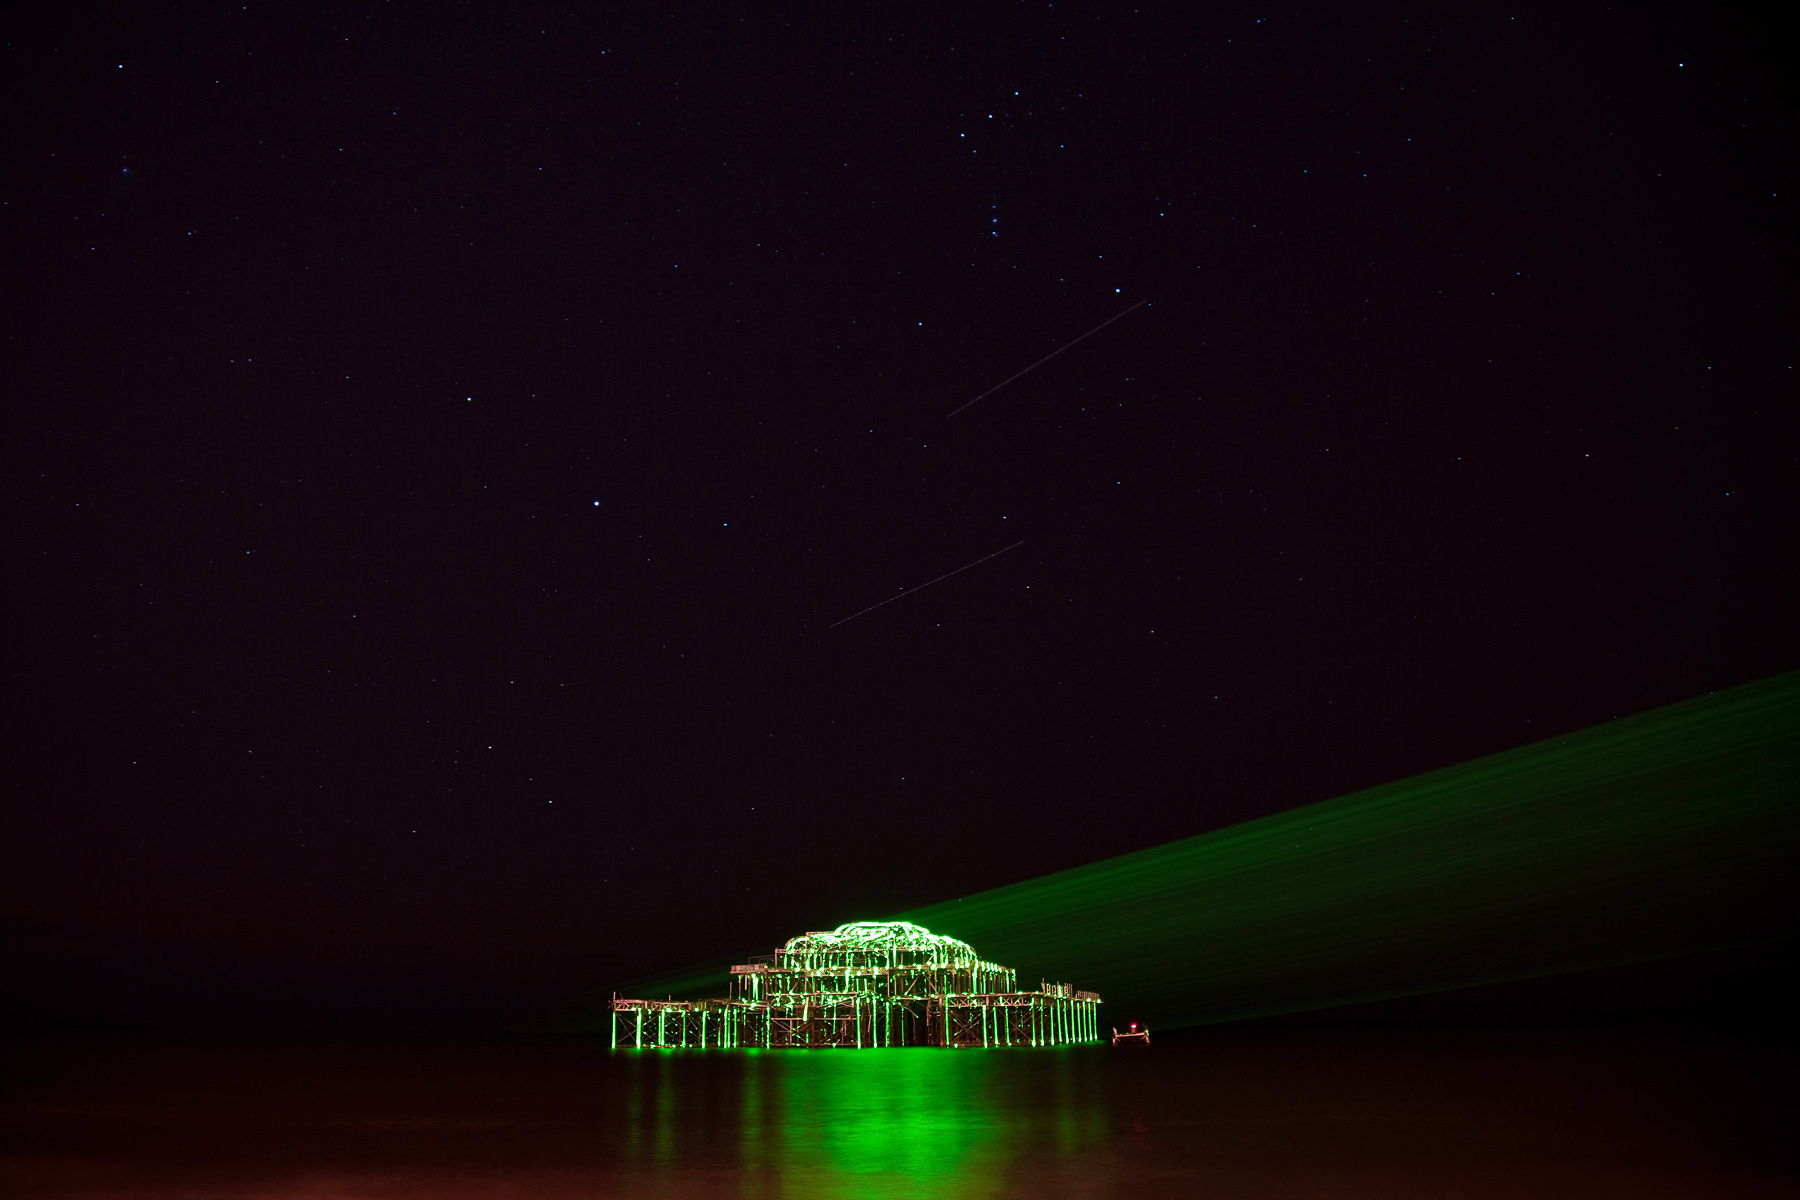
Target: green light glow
column 1667, row 833
column 914, row 1123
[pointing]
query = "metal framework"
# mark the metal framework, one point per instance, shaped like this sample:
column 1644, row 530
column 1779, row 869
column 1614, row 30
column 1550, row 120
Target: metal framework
column 860, row 986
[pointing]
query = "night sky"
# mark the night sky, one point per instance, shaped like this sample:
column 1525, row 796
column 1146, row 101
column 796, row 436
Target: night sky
column 440, row 439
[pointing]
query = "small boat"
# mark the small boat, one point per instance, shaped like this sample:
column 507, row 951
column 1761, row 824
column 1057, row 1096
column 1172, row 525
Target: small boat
column 1132, row 1037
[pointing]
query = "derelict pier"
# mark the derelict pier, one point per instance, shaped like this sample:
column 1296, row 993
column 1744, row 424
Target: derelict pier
column 865, row 985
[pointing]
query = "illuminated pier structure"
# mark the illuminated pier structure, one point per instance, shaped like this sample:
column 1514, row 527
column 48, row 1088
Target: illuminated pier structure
column 865, row 985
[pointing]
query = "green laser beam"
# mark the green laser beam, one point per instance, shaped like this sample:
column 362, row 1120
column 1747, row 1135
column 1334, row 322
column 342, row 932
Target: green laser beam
column 1671, row 832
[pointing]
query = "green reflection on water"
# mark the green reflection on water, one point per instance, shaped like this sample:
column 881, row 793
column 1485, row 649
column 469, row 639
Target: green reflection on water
column 919, row 1122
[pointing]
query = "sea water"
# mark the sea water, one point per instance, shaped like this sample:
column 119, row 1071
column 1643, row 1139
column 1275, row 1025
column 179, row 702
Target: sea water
column 1344, row 1111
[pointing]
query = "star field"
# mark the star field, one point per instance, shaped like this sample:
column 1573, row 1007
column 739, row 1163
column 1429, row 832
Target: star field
column 446, row 438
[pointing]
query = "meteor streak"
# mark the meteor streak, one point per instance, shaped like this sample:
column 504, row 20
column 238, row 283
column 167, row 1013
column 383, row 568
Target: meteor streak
column 1040, row 362
column 923, row 586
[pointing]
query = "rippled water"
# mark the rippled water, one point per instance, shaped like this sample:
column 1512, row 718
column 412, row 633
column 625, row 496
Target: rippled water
column 1324, row 1111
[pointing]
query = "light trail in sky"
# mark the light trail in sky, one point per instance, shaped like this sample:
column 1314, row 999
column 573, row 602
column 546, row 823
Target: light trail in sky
column 1040, row 362
column 923, row 586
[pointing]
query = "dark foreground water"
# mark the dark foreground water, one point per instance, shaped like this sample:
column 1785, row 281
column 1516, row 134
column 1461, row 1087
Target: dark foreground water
column 1321, row 1111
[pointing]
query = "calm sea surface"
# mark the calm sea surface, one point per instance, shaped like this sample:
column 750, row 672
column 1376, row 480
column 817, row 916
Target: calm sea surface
column 1323, row 1111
